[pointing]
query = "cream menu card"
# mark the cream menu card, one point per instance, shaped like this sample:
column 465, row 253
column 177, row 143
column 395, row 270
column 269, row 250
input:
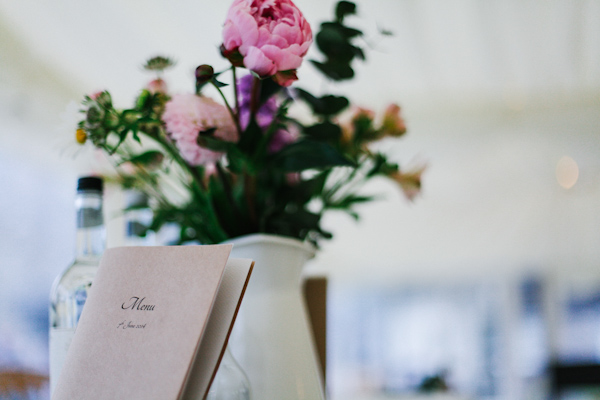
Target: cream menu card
column 155, row 324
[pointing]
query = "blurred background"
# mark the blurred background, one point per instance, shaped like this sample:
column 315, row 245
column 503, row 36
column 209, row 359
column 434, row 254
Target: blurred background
column 487, row 286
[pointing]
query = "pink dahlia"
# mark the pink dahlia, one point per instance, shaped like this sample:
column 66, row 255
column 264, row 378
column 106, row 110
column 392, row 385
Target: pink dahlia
column 269, row 37
column 186, row 115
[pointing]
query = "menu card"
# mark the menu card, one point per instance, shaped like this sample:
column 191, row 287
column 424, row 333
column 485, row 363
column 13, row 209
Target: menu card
column 155, row 324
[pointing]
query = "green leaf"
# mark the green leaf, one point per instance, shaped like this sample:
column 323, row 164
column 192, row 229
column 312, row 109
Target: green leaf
column 131, row 116
column 326, row 132
column 307, row 189
column 149, row 158
column 218, row 83
column 143, row 99
column 358, row 52
column 343, row 9
column 346, row 31
column 226, row 209
column 308, row 219
column 313, row 102
column 351, row 200
column 332, row 42
column 335, row 71
column 239, row 162
column 213, row 143
column 328, row 105
column 134, row 134
column 268, row 89
column 250, row 138
column 333, row 104
column 309, row 154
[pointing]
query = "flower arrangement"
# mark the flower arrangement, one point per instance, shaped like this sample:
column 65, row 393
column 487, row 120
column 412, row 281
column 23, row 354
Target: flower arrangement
column 225, row 169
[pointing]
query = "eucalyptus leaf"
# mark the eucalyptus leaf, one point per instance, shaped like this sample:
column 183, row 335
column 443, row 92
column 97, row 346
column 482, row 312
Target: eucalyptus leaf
column 327, row 105
column 346, row 31
column 343, row 9
column 325, row 131
column 309, row 154
column 335, row 71
column 332, row 42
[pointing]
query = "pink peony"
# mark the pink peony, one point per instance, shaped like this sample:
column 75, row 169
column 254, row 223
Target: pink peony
column 269, row 37
column 186, row 115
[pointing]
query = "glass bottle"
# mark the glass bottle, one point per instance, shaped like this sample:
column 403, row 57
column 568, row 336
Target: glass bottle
column 70, row 289
column 138, row 217
column 230, row 383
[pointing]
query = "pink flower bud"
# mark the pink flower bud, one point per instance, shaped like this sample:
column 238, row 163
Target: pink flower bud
column 95, row 95
column 393, row 123
column 204, row 73
column 410, row 181
column 157, row 86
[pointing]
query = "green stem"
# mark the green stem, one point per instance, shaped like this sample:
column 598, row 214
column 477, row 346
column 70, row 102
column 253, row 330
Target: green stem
column 346, row 182
column 236, row 120
column 250, row 194
column 218, row 234
column 268, row 135
column 228, row 191
column 255, row 96
column 235, row 93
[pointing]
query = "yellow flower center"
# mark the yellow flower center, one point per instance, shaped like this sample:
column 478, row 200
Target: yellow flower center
column 80, row 136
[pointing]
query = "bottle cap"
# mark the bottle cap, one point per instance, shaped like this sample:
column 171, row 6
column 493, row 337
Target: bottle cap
column 89, row 183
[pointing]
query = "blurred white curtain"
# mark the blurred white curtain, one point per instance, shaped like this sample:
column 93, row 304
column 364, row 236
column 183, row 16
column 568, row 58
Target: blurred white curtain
column 463, row 50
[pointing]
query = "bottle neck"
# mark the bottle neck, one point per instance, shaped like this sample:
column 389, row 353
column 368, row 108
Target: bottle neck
column 91, row 234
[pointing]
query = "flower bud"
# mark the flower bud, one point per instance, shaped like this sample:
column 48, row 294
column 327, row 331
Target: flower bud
column 94, row 114
column 103, row 98
column 234, row 56
column 204, row 73
column 95, row 95
column 111, row 120
column 362, row 122
column 80, row 136
column 393, row 124
column 142, row 99
column 410, row 182
column 157, row 86
column 130, row 116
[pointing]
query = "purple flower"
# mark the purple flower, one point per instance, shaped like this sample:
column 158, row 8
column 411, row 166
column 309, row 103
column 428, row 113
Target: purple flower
column 264, row 116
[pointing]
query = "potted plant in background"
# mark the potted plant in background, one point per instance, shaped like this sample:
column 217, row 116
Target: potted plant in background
column 243, row 169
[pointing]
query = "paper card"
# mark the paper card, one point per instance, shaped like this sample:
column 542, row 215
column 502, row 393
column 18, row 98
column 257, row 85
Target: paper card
column 143, row 323
column 220, row 324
